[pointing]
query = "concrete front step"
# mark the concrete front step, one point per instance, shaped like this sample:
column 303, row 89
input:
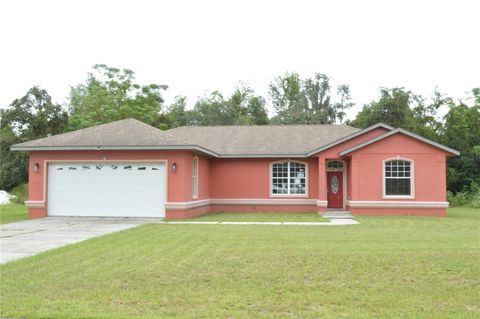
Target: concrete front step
column 337, row 214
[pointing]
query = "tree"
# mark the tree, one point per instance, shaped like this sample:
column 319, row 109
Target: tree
column 177, row 114
column 425, row 115
column 308, row 101
column 393, row 108
column 345, row 103
column 110, row 94
column 462, row 132
column 30, row 117
column 243, row 107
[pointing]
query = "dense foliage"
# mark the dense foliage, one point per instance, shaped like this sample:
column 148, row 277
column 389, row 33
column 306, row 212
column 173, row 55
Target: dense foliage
column 110, row 94
column 30, row 117
column 308, row 101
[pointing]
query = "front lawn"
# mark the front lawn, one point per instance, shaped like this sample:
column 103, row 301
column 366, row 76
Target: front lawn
column 12, row 212
column 261, row 217
column 386, row 267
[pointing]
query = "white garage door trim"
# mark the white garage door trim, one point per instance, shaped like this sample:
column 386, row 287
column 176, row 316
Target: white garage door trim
column 120, row 210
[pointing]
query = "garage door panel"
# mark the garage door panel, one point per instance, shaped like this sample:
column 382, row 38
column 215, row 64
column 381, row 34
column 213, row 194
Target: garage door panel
column 117, row 190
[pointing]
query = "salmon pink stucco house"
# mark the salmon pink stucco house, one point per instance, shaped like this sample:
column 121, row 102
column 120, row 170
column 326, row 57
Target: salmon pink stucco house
column 127, row 168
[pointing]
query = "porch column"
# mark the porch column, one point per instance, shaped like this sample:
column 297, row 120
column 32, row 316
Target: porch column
column 322, row 185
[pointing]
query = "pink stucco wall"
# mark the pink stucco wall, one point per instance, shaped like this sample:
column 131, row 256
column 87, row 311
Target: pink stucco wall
column 428, row 161
column 429, row 181
column 250, row 178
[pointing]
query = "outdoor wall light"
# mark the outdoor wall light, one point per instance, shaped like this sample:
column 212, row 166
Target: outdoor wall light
column 174, row 167
column 36, row 167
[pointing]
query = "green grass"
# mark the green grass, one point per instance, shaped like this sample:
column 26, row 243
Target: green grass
column 12, row 212
column 16, row 210
column 386, row 267
column 261, row 217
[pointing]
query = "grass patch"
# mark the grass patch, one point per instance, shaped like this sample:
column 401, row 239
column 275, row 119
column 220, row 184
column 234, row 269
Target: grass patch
column 12, row 212
column 260, row 217
column 386, row 267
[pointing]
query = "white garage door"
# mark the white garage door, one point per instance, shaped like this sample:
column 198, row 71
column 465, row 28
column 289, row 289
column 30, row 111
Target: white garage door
column 106, row 189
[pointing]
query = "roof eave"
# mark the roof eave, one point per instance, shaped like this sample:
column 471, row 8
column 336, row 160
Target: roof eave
column 114, row 148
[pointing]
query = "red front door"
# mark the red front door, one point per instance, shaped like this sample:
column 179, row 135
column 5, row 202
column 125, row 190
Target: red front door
column 335, row 189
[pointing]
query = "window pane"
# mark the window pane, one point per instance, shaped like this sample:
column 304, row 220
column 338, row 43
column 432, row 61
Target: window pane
column 297, row 178
column 397, row 177
column 334, row 164
column 288, row 178
column 397, row 186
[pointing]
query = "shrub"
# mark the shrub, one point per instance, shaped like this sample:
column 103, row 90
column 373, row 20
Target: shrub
column 469, row 198
column 21, row 193
column 459, row 199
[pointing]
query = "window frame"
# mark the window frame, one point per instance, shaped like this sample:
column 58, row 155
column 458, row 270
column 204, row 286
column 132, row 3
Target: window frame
column 411, row 178
column 195, row 173
column 288, row 195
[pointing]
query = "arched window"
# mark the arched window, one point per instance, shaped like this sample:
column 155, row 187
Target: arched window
column 288, row 178
column 398, row 178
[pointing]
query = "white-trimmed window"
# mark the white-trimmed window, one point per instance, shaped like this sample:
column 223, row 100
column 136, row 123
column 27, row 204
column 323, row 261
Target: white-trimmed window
column 288, row 178
column 195, row 178
column 398, row 178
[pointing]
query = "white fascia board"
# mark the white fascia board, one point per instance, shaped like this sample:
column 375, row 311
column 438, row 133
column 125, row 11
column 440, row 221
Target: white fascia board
column 115, row 148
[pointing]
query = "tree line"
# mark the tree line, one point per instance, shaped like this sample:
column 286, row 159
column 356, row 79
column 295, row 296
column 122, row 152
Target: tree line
column 110, row 94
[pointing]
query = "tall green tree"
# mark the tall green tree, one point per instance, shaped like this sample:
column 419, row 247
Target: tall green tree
column 461, row 131
column 307, row 101
column 111, row 94
column 243, row 107
column 177, row 113
column 393, row 108
column 426, row 121
column 29, row 117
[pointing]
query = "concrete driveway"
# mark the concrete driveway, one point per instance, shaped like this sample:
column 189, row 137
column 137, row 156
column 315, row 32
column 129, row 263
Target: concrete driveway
column 31, row 237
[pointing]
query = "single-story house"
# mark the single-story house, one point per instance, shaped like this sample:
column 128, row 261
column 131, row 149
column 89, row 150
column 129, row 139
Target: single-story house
column 128, row 168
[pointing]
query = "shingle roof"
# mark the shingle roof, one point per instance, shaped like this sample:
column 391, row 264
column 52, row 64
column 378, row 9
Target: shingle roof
column 222, row 141
column 262, row 140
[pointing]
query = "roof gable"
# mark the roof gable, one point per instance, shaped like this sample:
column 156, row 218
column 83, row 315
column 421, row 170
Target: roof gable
column 399, row 131
column 349, row 137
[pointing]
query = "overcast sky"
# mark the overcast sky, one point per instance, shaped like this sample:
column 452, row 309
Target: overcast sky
column 199, row 46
